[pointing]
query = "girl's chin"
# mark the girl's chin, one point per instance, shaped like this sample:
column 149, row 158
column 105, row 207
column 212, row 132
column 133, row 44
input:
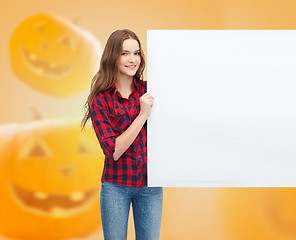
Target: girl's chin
column 128, row 75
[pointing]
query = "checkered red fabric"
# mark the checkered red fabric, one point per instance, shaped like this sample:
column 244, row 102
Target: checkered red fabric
column 111, row 116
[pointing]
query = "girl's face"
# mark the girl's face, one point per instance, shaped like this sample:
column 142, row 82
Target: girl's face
column 129, row 60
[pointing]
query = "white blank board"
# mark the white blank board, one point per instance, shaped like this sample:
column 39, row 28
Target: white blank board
column 225, row 108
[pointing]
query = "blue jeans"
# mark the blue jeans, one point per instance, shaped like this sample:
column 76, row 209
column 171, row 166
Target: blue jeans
column 115, row 203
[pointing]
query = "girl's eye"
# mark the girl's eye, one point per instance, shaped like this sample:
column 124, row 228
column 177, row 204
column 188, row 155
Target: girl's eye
column 124, row 53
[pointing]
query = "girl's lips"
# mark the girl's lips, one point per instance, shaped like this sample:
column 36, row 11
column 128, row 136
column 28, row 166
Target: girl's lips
column 131, row 66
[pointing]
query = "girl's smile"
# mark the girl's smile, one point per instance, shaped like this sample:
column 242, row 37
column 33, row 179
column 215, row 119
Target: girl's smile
column 131, row 66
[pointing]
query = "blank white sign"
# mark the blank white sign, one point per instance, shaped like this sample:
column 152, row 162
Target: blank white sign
column 225, row 108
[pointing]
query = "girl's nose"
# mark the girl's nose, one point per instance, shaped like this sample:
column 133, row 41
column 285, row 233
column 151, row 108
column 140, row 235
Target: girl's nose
column 132, row 58
column 67, row 170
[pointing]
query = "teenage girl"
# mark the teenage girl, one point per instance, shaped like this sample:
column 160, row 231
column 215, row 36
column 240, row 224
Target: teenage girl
column 119, row 107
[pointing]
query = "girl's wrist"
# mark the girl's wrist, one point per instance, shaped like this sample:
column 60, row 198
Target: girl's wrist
column 143, row 115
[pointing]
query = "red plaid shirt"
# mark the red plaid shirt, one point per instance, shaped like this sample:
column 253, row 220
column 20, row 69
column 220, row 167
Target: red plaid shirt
column 111, row 116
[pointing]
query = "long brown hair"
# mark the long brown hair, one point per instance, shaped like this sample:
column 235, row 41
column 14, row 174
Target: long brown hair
column 108, row 73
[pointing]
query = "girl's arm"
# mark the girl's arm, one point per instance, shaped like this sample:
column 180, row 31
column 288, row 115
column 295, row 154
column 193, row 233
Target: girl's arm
column 123, row 142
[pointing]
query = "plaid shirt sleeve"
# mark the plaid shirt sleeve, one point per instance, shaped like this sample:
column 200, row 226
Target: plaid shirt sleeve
column 102, row 125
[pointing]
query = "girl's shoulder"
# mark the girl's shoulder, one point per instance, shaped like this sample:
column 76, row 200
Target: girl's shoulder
column 144, row 83
column 102, row 98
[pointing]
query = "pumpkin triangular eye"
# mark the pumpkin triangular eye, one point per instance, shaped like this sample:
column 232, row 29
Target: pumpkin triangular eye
column 87, row 145
column 40, row 27
column 67, row 40
column 34, row 148
column 37, row 151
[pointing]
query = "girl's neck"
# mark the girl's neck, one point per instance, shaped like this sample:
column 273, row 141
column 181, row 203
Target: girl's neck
column 125, row 83
column 124, row 86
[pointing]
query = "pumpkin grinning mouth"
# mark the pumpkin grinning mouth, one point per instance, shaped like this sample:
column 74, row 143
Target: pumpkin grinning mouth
column 56, row 205
column 43, row 67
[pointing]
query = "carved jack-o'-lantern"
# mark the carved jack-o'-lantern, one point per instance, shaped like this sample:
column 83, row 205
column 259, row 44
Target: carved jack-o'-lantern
column 49, row 181
column 259, row 213
column 54, row 56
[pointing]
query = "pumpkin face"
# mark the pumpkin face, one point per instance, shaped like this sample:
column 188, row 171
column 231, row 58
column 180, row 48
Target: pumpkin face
column 259, row 213
column 49, row 180
column 54, row 56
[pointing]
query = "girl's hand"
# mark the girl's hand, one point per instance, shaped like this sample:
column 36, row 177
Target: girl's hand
column 146, row 103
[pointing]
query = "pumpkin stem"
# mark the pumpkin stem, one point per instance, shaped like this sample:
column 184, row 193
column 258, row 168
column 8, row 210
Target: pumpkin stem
column 37, row 115
column 75, row 20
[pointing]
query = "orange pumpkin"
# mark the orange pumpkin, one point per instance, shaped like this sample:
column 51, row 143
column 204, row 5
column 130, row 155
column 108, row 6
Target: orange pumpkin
column 259, row 213
column 54, row 56
column 49, row 181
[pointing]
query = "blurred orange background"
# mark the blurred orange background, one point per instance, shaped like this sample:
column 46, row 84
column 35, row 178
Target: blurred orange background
column 48, row 168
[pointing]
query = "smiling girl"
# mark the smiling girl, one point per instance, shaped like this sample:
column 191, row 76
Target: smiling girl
column 119, row 107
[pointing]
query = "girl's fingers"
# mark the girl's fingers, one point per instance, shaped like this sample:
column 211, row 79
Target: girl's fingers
column 149, row 101
column 147, row 95
column 150, row 97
